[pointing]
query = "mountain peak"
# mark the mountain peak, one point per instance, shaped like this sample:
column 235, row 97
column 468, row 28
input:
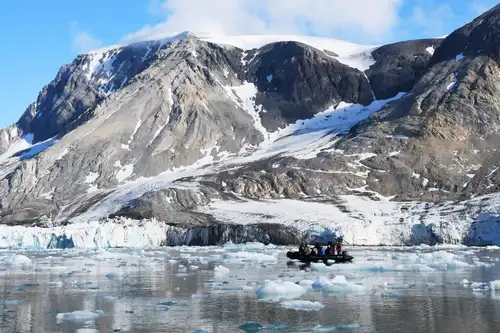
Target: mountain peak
column 163, row 38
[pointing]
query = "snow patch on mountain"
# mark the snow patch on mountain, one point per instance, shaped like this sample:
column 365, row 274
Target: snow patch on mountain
column 24, row 148
column 350, row 54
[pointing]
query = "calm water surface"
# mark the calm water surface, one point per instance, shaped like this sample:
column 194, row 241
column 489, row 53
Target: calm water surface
column 178, row 290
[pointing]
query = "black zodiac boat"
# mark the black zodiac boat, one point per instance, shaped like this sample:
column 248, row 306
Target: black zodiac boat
column 338, row 258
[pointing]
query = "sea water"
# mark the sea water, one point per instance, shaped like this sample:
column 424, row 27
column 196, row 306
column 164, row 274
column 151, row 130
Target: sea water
column 249, row 288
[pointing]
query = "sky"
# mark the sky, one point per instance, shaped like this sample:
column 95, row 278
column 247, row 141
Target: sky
column 40, row 36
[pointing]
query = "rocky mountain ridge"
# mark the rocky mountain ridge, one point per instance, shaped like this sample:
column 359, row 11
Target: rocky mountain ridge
column 159, row 129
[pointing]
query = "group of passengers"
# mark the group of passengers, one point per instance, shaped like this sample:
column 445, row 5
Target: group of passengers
column 318, row 250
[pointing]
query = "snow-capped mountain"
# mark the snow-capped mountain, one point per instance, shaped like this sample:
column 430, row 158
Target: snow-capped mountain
column 182, row 129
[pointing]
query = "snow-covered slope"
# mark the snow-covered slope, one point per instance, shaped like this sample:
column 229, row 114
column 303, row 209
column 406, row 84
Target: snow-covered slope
column 350, row 54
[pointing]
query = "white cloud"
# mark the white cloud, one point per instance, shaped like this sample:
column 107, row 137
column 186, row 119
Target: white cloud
column 234, row 17
column 83, row 41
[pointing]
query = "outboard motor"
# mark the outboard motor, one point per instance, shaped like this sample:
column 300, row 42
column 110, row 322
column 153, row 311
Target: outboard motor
column 345, row 253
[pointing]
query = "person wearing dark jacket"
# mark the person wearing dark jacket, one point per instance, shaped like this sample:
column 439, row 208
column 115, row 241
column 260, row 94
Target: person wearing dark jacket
column 330, row 250
column 339, row 245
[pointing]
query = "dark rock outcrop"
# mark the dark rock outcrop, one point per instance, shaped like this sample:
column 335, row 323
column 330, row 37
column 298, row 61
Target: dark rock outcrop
column 296, row 81
column 400, row 66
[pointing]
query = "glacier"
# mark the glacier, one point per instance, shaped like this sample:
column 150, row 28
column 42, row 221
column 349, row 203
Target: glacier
column 364, row 223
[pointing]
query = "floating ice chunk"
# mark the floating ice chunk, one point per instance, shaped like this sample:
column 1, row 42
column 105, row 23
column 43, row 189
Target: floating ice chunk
column 11, row 301
column 86, row 330
column 221, row 271
column 334, row 328
column 320, row 267
column 339, row 285
column 306, row 283
column 198, row 296
column 251, row 327
column 442, row 260
column 300, row 305
column 200, row 331
column 248, row 246
column 276, row 327
column 495, row 285
column 465, row 282
column 321, row 282
column 248, row 288
column 193, row 267
column 17, row 260
column 391, row 294
column 79, row 316
column 339, row 279
column 480, row 286
column 396, row 286
column 250, row 256
column 279, row 290
column 58, row 284
column 111, row 298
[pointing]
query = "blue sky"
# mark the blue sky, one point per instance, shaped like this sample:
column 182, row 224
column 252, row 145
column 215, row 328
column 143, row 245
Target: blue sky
column 39, row 36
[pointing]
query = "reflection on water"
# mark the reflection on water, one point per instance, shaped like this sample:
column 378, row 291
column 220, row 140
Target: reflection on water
column 177, row 290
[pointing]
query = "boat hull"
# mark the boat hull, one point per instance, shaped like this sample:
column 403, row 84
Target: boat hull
column 338, row 259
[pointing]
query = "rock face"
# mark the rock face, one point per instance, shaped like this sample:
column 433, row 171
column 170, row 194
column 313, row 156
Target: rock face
column 400, row 66
column 296, row 81
column 445, row 131
column 157, row 129
column 7, row 136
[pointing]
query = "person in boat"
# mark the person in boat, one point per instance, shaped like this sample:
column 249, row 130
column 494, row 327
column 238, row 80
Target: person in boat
column 339, row 245
column 314, row 251
column 319, row 249
column 301, row 248
column 306, row 250
column 330, row 249
column 323, row 250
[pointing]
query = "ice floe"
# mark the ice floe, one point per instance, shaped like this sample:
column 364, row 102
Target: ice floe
column 335, row 328
column 250, row 257
column 79, row 316
column 221, row 271
column 277, row 290
column 301, row 305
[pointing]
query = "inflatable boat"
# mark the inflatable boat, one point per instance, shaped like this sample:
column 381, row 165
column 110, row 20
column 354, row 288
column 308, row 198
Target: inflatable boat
column 337, row 258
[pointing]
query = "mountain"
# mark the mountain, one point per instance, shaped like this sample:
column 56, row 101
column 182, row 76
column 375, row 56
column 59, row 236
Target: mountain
column 277, row 138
